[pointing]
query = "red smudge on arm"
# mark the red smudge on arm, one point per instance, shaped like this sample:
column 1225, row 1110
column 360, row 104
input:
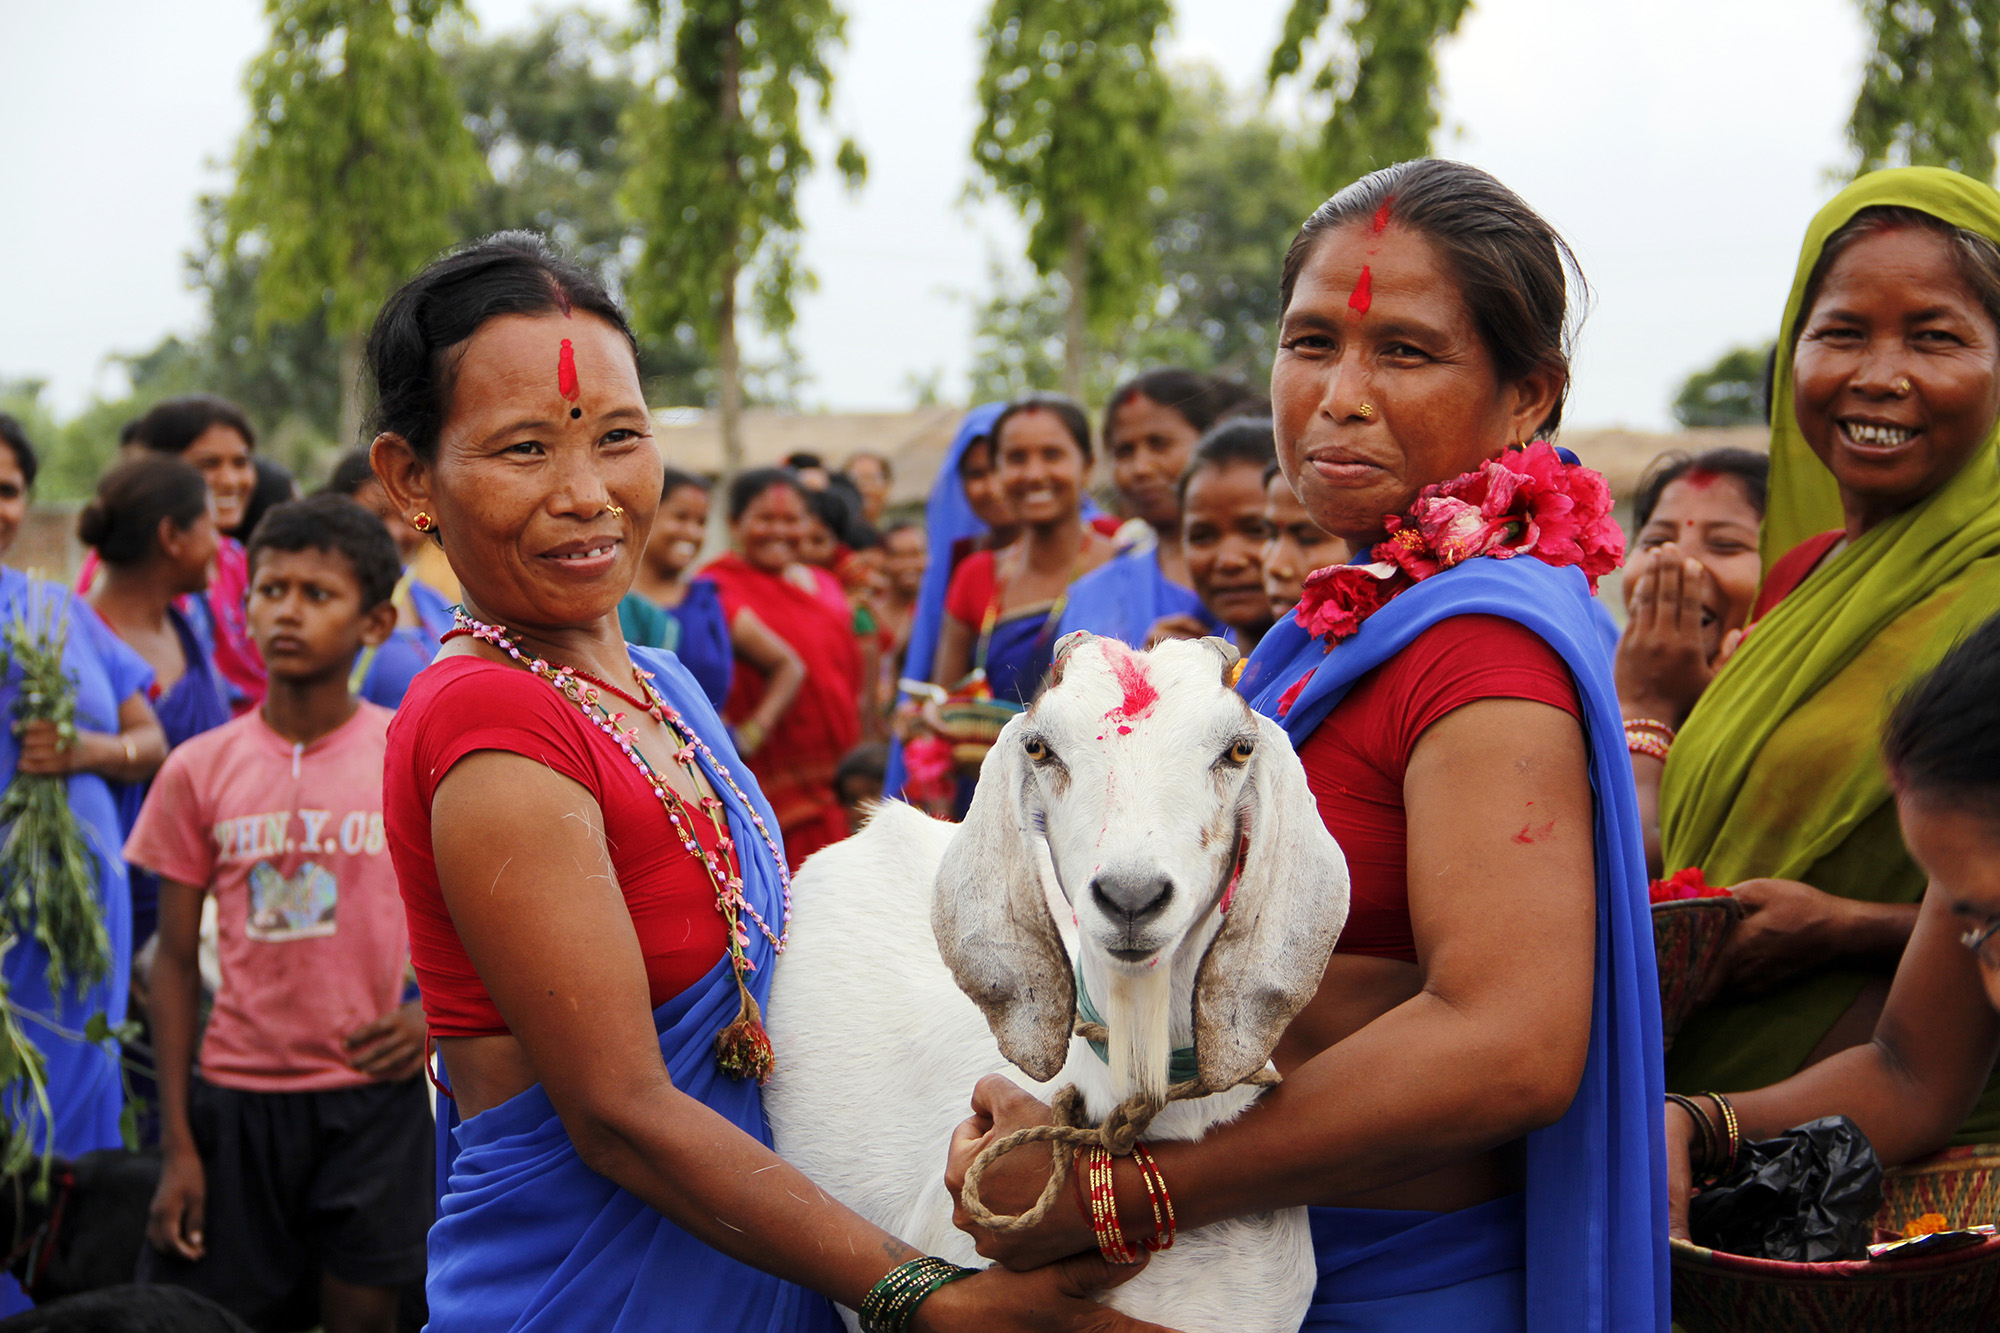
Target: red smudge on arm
column 1139, row 694
column 1529, row 835
column 1364, row 292
column 1381, row 222
column 566, row 372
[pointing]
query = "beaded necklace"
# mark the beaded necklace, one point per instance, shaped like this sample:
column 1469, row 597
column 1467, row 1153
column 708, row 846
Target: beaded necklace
column 742, row 1048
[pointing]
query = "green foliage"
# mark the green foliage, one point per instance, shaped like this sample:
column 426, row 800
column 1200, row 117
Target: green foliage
column 1218, row 232
column 716, row 162
column 1930, row 90
column 1381, row 79
column 356, row 157
column 1728, row 393
column 1074, row 113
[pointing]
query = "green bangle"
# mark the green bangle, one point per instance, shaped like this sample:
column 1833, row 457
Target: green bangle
column 892, row 1303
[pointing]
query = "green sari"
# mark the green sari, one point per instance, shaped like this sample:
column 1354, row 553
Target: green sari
column 1777, row 772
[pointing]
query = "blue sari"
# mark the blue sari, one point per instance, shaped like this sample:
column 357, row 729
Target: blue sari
column 84, row 1088
column 702, row 641
column 1593, row 1217
column 1126, row 596
column 382, row 676
column 530, row 1239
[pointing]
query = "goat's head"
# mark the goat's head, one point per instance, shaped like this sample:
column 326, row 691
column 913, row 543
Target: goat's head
column 1159, row 794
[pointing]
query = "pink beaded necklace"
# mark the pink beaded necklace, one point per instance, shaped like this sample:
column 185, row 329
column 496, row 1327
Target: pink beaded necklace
column 742, row 1049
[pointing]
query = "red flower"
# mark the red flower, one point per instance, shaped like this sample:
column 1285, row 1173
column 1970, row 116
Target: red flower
column 1682, row 885
column 1337, row 599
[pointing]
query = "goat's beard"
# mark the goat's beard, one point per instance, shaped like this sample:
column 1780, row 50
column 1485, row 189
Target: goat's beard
column 1142, row 1044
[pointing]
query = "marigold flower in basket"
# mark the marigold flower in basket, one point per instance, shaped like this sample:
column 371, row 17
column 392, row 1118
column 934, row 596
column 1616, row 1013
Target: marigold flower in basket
column 1682, row 885
column 1928, row 1224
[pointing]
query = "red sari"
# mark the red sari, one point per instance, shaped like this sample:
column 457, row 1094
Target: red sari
column 796, row 762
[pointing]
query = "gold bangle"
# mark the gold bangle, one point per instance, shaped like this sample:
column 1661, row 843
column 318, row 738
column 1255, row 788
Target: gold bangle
column 131, row 755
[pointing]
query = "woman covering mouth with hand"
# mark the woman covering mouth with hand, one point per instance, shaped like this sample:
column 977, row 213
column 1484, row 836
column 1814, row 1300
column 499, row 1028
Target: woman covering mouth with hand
column 1886, row 415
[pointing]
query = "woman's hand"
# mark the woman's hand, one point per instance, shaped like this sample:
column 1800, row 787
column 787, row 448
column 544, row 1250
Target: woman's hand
column 45, row 753
column 1055, row 1297
column 173, row 1223
column 1787, row 930
column 391, row 1048
column 1663, row 663
column 1013, row 1183
column 1680, row 1169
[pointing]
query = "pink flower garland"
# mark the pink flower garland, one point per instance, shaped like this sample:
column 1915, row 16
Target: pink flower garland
column 1526, row 502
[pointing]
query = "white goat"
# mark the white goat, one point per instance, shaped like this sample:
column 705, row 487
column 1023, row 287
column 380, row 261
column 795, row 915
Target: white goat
column 1130, row 799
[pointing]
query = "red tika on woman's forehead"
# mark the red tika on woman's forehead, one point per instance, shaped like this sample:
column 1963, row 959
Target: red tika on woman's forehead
column 566, row 372
column 1363, row 295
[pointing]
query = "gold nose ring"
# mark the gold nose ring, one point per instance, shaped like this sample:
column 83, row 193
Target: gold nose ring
column 1903, row 388
column 615, row 510
column 1365, row 412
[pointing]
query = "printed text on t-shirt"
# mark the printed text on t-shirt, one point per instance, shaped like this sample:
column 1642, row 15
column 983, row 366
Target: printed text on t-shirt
column 260, row 837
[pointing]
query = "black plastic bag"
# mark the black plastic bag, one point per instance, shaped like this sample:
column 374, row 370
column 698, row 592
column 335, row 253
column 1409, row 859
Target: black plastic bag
column 1808, row 1196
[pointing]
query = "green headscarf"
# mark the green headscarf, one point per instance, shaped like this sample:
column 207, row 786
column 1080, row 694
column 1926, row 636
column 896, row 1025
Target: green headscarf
column 1777, row 772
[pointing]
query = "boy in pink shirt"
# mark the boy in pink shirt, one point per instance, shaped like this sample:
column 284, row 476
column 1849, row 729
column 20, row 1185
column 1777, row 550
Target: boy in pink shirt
column 297, row 1184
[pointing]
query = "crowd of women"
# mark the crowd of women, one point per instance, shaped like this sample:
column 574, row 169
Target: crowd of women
column 1803, row 706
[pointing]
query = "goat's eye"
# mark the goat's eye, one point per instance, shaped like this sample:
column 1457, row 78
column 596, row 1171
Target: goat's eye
column 1240, row 752
column 1035, row 749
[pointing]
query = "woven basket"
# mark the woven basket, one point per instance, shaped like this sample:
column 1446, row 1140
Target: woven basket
column 1687, row 938
column 1954, row 1292
column 972, row 725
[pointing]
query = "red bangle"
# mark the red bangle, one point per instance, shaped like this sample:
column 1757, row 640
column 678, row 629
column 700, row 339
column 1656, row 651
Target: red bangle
column 1640, row 743
column 1164, row 1226
column 1111, row 1240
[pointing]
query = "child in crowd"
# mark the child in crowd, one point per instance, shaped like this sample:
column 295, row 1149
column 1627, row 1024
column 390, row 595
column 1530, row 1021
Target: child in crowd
column 297, row 1185
column 858, row 781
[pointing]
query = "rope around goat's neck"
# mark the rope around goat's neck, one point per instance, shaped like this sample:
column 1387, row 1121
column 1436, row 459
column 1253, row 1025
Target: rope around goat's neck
column 1120, row 1130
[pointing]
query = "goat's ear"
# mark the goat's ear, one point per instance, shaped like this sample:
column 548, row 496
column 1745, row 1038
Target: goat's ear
column 992, row 920
column 1266, row 961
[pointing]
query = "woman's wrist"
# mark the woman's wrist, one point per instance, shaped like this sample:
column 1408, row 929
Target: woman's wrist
column 1878, row 932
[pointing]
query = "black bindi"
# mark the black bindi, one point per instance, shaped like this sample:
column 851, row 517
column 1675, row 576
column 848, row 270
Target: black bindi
column 576, row 414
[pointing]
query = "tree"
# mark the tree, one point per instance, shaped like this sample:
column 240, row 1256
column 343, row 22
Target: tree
column 1074, row 110
column 1930, row 90
column 1382, row 79
column 1735, row 391
column 546, row 108
column 715, row 170
column 356, row 158
column 1218, row 232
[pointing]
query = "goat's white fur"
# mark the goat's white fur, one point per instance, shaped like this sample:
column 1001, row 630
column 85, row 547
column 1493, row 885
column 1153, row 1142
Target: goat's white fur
column 878, row 1047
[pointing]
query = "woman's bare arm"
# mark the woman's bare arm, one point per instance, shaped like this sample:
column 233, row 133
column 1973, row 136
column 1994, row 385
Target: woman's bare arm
column 528, row 879
column 131, row 754
column 954, row 651
column 784, row 673
column 1502, row 887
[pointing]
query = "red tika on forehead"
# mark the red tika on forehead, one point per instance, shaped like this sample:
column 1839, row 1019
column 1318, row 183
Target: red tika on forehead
column 566, row 372
column 1364, row 292
column 1381, row 223
column 1139, row 694
column 1700, row 478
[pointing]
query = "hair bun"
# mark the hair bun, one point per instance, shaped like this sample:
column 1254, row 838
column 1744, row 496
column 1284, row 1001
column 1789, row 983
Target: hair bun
column 93, row 523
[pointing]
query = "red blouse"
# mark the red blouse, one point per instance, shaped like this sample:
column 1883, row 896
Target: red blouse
column 464, row 704
column 1356, row 759
column 1790, row 570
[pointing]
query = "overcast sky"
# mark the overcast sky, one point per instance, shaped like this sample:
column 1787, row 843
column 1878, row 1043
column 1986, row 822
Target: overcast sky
column 1681, row 147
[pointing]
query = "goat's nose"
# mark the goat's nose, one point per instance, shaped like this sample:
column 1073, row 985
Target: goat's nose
column 1131, row 895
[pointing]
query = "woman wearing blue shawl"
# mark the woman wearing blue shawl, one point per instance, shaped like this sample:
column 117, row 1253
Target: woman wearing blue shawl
column 595, row 891
column 118, row 742
column 1150, row 430
column 1471, row 1103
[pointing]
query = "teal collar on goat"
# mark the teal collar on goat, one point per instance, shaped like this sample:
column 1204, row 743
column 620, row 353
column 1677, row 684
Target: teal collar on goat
column 1181, row 1065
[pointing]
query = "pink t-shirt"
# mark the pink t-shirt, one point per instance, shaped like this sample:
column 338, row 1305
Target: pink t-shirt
column 310, row 923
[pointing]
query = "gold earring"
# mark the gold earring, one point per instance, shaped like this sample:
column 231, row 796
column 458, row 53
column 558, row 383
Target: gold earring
column 615, row 510
column 1365, row 412
column 422, row 521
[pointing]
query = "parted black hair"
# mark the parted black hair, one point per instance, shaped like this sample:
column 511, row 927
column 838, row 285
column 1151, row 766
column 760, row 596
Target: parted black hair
column 16, row 440
column 1244, row 440
column 676, row 479
column 1200, row 400
column 844, row 518
column 1515, row 272
column 1063, row 408
column 744, row 491
column 414, row 348
column 122, row 521
column 1748, row 466
column 350, row 474
column 1943, row 738
column 172, row 424
column 334, row 523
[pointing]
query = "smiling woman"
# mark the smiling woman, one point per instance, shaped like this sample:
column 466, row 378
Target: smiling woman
column 595, row 892
column 1885, row 422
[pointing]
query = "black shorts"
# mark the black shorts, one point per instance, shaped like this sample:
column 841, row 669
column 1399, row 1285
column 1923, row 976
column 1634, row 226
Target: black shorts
column 300, row 1182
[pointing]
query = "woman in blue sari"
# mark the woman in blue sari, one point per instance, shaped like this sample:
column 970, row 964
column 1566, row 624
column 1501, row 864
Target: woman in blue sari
column 118, row 742
column 694, row 626
column 1471, row 1102
column 1002, row 607
column 594, row 886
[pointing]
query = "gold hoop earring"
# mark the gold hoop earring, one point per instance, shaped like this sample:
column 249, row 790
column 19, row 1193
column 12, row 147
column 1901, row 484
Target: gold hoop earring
column 1365, row 412
column 422, row 521
column 615, row 510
